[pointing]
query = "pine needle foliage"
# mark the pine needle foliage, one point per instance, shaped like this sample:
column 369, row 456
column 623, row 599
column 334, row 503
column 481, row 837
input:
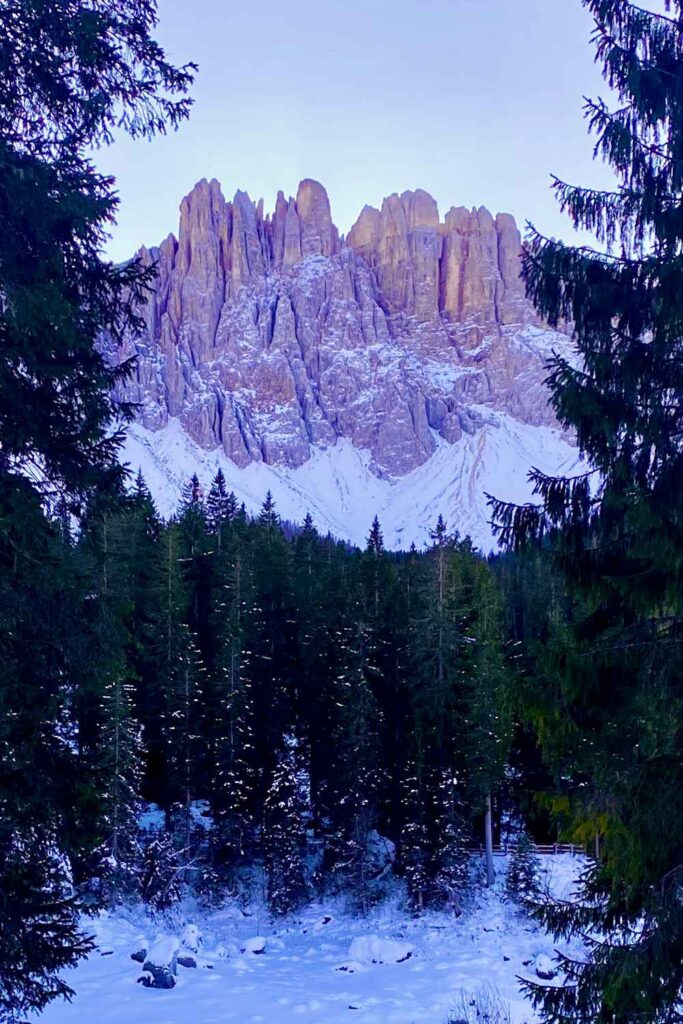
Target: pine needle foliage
column 609, row 710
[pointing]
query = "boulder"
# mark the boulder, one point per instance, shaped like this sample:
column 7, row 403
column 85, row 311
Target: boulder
column 376, row 950
column 186, row 961
column 545, row 968
column 160, row 966
column 191, row 938
column 257, row 945
column 381, row 854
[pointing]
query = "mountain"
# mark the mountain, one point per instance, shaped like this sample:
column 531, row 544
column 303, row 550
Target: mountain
column 398, row 370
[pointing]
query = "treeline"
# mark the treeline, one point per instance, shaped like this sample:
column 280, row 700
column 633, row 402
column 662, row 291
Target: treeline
column 304, row 694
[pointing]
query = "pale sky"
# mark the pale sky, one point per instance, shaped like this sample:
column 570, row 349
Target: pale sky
column 476, row 101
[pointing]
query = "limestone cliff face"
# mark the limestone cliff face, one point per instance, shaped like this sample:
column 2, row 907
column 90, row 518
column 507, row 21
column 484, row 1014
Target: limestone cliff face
column 270, row 335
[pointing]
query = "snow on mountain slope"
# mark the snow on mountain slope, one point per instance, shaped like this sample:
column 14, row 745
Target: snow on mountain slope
column 399, row 371
column 336, row 485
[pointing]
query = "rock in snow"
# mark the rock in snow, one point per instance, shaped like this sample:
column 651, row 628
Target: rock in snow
column 380, row 853
column 544, row 967
column 159, row 969
column 257, row 944
column 191, row 938
column 271, row 339
column 375, row 950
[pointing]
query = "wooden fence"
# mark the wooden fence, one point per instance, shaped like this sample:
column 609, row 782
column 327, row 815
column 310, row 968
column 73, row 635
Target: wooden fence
column 506, row 848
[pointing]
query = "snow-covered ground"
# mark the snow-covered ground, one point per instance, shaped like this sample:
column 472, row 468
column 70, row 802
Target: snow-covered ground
column 318, row 965
column 339, row 489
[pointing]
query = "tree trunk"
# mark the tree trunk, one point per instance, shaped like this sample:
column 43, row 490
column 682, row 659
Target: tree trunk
column 490, row 871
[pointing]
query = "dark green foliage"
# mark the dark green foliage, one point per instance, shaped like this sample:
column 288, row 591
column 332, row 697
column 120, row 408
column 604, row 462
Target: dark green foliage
column 357, row 780
column 221, row 505
column 416, row 844
column 452, row 864
column 268, row 516
column 522, row 880
column 40, row 927
column 375, row 538
column 69, row 74
column 160, row 875
column 284, row 833
column 606, row 700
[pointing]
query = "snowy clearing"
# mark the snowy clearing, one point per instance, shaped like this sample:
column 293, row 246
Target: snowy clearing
column 318, row 965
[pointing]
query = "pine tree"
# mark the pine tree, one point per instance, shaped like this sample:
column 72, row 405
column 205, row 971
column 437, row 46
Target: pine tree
column 608, row 712
column 375, row 537
column 192, row 496
column 358, row 771
column 174, row 690
column 221, row 506
column 286, row 810
column 268, row 515
column 228, row 706
column 109, row 741
column 451, row 860
column 308, row 527
column 271, row 637
column 160, row 875
column 416, row 838
column 522, row 880
column 40, row 923
column 59, row 431
column 484, row 678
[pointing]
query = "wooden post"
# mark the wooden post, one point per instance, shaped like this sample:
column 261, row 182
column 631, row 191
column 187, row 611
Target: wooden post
column 490, row 870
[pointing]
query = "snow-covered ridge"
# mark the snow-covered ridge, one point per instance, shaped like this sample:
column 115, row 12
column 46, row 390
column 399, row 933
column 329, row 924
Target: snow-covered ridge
column 337, row 486
column 400, row 371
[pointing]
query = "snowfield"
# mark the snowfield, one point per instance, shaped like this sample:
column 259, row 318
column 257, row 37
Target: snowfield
column 320, row 965
column 338, row 487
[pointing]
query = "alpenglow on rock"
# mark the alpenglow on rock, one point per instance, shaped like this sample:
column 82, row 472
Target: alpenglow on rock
column 272, row 337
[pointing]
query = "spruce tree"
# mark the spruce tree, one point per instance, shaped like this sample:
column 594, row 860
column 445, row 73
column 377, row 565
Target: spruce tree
column 40, row 925
column 221, row 505
column 271, row 637
column 284, row 840
column 358, row 766
column 451, row 860
column 71, row 75
column 375, row 537
column 109, row 737
column 416, row 838
column 174, row 690
column 192, row 496
column 160, row 874
column 522, row 882
column 608, row 713
column 268, row 515
column 228, row 706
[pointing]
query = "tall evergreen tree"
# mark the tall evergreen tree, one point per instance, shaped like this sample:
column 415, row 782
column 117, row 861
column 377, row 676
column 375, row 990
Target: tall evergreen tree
column 375, row 537
column 192, row 496
column 416, row 833
column 451, row 868
column 108, row 734
column 268, row 514
column 612, row 717
column 357, row 771
column 228, row 705
column 174, row 690
column 70, row 75
column 286, row 806
column 221, row 504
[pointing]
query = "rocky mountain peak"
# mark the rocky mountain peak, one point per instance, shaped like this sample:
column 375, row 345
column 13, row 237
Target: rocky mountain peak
column 269, row 337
